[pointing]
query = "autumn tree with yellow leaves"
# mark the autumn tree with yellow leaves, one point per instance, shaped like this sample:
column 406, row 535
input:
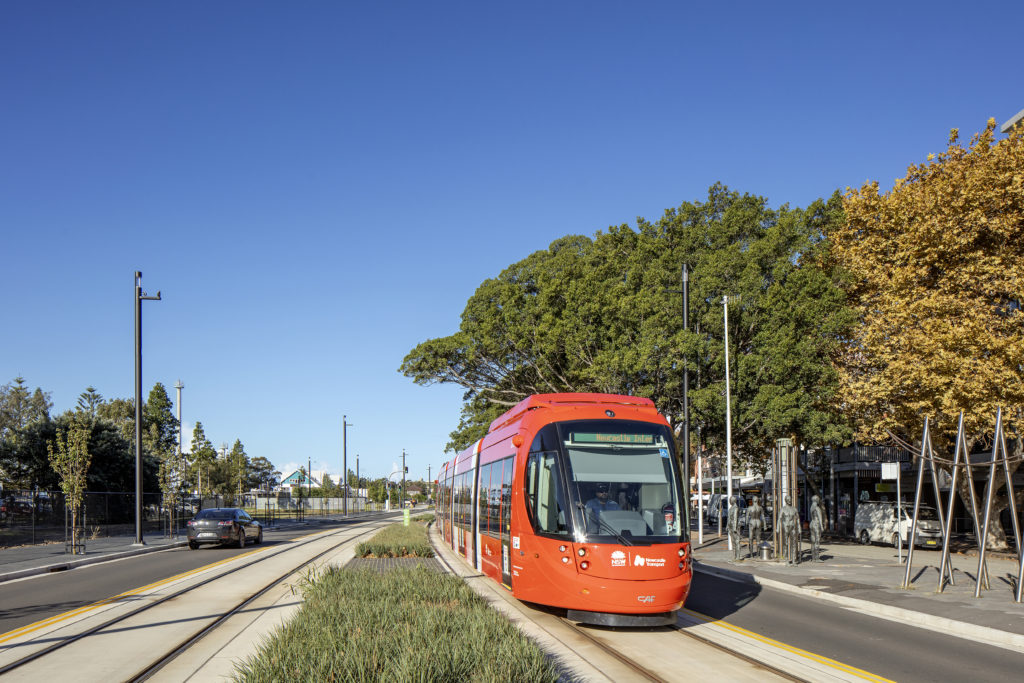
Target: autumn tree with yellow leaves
column 936, row 275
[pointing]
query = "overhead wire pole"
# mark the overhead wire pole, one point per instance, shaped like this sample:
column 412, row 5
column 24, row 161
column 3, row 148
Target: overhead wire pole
column 140, row 296
column 345, row 424
column 685, row 291
column 179, row 386
column 728, row 415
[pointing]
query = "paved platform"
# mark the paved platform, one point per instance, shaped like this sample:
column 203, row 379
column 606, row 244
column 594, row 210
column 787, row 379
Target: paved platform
column 868, row 578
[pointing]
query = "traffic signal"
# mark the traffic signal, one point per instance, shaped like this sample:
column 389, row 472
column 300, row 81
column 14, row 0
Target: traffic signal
column 407, row 469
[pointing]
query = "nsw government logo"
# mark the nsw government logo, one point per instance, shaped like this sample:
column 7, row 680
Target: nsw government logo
column 618, row 559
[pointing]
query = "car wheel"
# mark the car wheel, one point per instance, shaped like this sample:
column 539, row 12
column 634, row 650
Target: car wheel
column 259, row 539
column 864, row 538
column 895, row 540
column 192, row 545
column 241, row 537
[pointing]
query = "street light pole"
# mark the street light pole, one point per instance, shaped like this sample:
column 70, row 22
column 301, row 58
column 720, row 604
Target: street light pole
column 685, row 291
column 177, row 465
column 344, row 460
column 140, row 296
column 404, row 468
column 728, row 414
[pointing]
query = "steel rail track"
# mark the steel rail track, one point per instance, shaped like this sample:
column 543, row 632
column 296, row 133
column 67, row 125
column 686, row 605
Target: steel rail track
column 153, row 668
column 639, row 668
column 739, row 655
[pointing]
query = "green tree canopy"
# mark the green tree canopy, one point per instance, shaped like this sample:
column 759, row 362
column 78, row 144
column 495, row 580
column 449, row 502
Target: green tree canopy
column 594, row 315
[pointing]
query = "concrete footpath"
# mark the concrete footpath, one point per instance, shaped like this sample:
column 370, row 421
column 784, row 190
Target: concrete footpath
column 868, row 579
column 26, row 560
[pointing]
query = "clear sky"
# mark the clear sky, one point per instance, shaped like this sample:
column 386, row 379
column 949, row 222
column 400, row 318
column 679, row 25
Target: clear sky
column 316, row 187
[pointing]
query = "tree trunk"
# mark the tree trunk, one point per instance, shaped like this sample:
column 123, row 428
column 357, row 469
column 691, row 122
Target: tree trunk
column 996, row 537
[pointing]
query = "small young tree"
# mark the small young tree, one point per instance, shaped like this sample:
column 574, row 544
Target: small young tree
column 70, row 460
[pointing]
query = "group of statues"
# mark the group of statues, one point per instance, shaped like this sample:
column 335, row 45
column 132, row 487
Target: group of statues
column 789, row 523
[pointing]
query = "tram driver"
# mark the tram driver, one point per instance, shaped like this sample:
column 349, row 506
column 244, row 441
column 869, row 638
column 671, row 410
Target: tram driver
column 601, row 502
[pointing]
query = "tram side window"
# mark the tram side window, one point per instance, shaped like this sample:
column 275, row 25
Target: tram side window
column 465, row 500
column 482, row 512
column 492, row 501
column 506, row 496
column 544, row 494
column 458, row 500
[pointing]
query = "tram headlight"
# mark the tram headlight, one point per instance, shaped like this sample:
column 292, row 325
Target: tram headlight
column 682, row 564
column 581, row 552
column 565, row 560
column 584, row 565
column 561, row 548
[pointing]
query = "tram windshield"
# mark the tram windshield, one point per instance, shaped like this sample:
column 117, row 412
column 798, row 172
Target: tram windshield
column 621, row 479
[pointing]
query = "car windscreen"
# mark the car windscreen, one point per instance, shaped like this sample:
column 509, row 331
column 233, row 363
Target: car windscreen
column 216, row 514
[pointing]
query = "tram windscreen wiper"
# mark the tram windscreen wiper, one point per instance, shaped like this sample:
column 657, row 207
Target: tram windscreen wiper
column 604, row 525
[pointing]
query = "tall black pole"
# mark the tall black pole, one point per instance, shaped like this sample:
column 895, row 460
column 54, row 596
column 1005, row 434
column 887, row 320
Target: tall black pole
column 344, row 462
column 686, row 388
column 139, row 297
column 345, row 424
column 138, row 408
column 402, row 501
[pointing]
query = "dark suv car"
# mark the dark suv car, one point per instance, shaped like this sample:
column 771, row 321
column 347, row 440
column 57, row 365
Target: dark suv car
column 226, row 526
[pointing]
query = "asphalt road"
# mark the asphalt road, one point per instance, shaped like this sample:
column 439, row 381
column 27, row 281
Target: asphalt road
column 882, row 647
column 29, row 600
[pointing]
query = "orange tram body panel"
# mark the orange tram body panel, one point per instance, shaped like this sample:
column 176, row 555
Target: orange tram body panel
column 575, row 501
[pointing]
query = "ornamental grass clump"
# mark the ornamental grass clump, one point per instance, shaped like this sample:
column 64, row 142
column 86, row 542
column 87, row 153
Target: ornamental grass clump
column 404, row 625
column 397, row 541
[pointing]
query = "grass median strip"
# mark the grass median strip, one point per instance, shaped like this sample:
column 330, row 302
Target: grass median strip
column 404, row 625
column 397, row 540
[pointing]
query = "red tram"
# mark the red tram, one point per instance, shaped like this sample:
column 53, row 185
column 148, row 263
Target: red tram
column 575, row 501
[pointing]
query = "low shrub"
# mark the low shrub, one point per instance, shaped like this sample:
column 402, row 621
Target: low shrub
column 404, row 625
column 397, row 540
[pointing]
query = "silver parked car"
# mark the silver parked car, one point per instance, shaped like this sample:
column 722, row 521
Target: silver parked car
column 226, row 526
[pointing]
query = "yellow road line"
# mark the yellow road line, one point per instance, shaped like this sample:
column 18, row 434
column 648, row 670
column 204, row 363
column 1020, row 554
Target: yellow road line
column 30, row 628
column 859, row 673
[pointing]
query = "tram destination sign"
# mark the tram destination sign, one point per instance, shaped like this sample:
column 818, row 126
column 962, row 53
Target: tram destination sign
column 597, row 437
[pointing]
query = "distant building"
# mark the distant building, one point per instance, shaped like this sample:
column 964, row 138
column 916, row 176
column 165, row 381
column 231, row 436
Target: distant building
column 298, row 478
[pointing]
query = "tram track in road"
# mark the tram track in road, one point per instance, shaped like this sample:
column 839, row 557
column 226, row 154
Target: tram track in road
column 574, row 647
column 696, row 646
column 153, row 666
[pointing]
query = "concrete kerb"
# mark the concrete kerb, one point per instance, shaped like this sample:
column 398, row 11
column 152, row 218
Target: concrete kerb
column 71, row 564
column 984, row 634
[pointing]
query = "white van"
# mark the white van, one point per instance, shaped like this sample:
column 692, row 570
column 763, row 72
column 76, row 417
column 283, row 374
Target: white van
column 719, row 506
column 875, row 521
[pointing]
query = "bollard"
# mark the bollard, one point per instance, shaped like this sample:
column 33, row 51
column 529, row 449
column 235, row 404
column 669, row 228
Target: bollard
column 766, row 550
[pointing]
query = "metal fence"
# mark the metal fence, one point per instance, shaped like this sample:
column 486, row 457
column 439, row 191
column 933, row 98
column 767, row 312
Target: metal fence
column 37, row 516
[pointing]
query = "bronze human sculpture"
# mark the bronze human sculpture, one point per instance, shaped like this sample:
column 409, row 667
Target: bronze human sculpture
column 755, row 526
column 733, row 527
column 789, row 521
column 817, row 524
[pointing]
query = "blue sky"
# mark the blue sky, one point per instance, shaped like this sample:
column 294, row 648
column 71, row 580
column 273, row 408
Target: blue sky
column 316, row 187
